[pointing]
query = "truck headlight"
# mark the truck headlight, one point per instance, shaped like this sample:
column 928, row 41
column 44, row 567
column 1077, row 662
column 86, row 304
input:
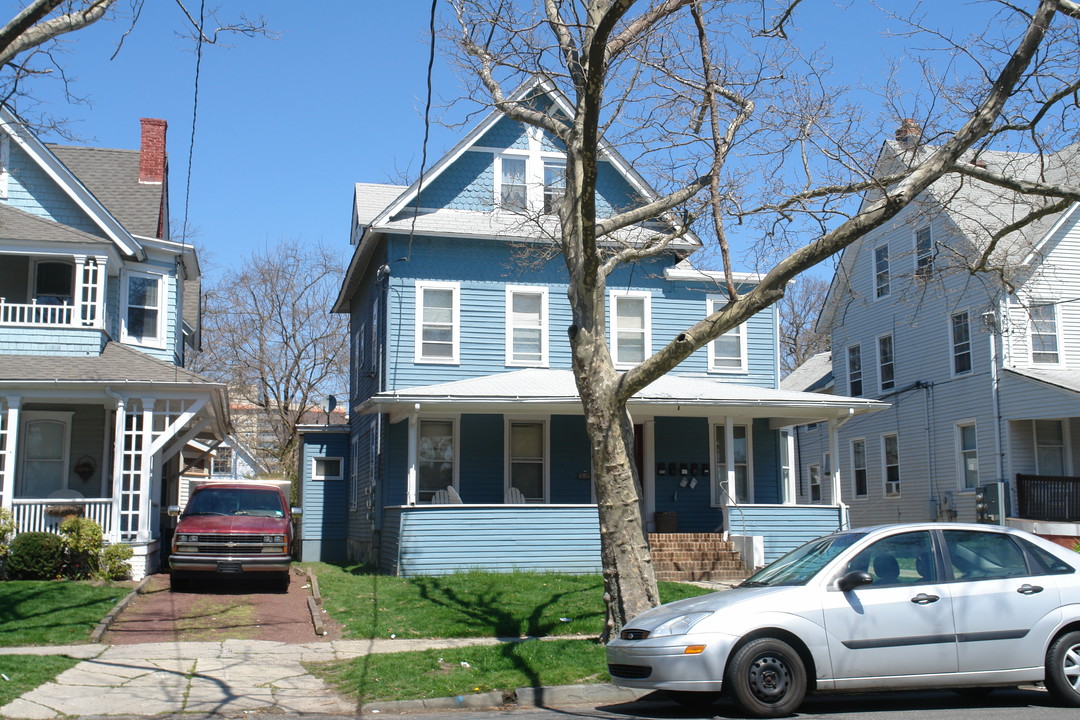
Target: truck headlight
column 273, row 538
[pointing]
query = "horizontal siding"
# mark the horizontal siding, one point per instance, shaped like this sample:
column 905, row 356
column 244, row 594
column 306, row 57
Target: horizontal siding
column 323, row 525
column 66, row 342
column 390, row 540
column 784, row 527
column 444, row 540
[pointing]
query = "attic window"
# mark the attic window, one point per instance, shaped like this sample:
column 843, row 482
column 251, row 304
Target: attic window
column 513, row 189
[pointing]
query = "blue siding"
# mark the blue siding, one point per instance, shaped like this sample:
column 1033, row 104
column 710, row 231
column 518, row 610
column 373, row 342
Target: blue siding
column 504, row 134
column 323, row 524
column 685, row 440
column 569, row 456
column 449, row 539
column 480, row 478
column 53, row 341
column 32, row 190
column 469, row 184
column 766, row 448
column 785, row 527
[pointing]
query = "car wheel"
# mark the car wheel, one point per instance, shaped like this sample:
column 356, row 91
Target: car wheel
column 767, row 678
column 1063, row 669
column 694, row 700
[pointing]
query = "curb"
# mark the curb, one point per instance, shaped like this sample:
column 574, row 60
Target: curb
column 110, row 617
column 526, row 697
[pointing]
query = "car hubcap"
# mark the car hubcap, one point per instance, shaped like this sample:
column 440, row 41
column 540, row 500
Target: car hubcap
column 769, row 678
column 1071, row 667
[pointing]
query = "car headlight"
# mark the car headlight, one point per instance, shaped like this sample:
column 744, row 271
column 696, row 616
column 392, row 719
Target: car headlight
column 679, row 625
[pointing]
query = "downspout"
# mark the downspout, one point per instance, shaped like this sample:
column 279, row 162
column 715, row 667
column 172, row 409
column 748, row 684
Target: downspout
column 834, row 448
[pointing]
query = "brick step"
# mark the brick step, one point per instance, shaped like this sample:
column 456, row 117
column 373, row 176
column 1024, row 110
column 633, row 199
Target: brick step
column 684, row 576
column 693, row 557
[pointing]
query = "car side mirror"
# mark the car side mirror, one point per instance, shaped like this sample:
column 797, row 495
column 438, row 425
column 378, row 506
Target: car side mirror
column 854, row 579
column 173, row 510
column 297, row 512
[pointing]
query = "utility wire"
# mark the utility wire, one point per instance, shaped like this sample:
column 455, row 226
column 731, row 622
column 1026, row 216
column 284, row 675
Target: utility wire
column 194, row 117
column 427, row 129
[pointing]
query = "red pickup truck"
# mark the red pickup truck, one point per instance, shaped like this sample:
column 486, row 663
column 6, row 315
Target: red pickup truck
column 233, row 529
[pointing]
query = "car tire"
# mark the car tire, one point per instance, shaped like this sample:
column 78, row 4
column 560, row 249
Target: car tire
column 694, row 700
column 767, row 678
column 1063, row 669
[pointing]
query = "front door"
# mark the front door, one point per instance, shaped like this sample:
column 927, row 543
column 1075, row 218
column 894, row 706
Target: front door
column 899, row 625
column 43, row 460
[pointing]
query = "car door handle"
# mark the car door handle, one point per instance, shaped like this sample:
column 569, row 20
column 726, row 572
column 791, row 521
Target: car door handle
column 924, row 599
column 1026, row 589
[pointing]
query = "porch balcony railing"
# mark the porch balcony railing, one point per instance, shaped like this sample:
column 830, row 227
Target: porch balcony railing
column 45, row 515
column 1048, row 497
column 33, row 314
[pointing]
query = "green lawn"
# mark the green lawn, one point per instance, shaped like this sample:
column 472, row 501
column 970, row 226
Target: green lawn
column 464, row 671
column 473, row 604
column 23, row 673
column 58, row 612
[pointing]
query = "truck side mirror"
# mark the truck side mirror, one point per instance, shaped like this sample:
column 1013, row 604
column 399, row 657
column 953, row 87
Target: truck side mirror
column 297, row 512
column 173, row 510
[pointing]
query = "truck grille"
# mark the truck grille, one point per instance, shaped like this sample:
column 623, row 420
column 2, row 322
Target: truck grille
column 229, row 544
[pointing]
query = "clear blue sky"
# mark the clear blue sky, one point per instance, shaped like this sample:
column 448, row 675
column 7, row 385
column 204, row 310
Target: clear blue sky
column 286, row 127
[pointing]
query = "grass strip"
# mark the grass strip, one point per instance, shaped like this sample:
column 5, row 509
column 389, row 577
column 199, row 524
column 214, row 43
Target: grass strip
column 471, row 604
column 53, row 612
column 464, row 671
column 23, row 673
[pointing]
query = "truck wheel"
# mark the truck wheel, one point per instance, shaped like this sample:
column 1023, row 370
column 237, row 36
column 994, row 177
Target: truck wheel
column 179, row 584
column 281, row 582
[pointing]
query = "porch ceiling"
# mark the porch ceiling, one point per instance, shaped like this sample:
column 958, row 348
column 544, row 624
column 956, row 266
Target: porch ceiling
column 553, row 391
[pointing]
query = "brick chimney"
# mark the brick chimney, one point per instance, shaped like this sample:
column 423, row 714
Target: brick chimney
column 909, row 134
column 152, row 159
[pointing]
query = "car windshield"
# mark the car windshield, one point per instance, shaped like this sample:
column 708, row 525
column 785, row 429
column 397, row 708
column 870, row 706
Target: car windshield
column 801, row 564
column 236, row 501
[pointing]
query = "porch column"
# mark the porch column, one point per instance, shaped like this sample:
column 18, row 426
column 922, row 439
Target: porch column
column 118, row 454
column 413, row 479
column 731, row 491
column 788, row 470
column 9, row 440
column 834, row 449
column 146, row 464
column 89, row 291
column 648, row 479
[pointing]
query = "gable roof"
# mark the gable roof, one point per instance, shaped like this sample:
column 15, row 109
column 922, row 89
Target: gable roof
column 71, row 185
column 814, row 375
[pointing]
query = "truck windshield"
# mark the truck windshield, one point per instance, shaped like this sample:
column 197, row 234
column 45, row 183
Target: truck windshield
column 236, row 501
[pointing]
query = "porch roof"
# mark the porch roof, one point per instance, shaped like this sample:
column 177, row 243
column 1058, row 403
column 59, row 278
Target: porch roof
column 1065, row 380
column 554, row 391
column 117, row 364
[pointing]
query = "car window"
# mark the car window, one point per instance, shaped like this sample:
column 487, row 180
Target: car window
column 905, row 559
column 975, row 555
column 802, row 563
column 1050, row 564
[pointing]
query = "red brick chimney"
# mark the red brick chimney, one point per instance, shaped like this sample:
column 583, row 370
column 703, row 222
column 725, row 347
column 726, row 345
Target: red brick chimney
column 152, row 159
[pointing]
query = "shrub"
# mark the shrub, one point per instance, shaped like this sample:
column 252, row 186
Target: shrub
column 113, row 564
column 82, row 546
column 8, row 528
column 35, row 556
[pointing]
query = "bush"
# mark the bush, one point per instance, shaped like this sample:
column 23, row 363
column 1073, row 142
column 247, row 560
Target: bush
column 114, row 563
column 35, row 556
column 82, row 546
column 8, row 528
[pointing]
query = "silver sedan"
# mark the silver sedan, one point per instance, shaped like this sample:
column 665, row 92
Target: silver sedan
column 892, row 607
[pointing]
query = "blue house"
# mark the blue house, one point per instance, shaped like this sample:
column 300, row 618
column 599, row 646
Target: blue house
column 99, row 309
column 467, row 439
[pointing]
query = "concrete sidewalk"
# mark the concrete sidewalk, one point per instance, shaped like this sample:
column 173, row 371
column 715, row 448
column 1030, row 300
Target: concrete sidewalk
column 230, row 677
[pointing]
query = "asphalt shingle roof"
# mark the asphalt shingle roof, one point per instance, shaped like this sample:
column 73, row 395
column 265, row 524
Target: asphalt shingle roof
column 116, row 364
column 813, row 375
column 18, row 224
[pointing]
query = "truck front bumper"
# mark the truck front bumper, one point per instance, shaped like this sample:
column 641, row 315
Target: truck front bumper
column 229, row 564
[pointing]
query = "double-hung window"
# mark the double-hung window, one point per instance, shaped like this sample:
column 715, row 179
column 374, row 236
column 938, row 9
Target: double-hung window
column 967, row 455
column 727, row 353
column 924, row 253
column 961, row 343
column 436, row 458
column 858, row 467
column 437, row 322
column 142, row 311
column 885, row 362
column 815, row 482
column 222, row 462
column 554, row 183
column 526, row 326
column 1044, row 334
column 513, row 182
column 854, row 368
column 527, row 460
column 1049, row 447
column 736, row 459
column 881, row 271
column 631, row 335
column 890, row 464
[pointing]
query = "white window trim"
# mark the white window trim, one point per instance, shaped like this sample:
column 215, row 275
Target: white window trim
column 1057, row 333
column 544, row 421
column 862, row 370
column 854, row 467
column 455, row 434
column 1066, row 456
column 5, row 164
column 30, row 416
column 744, row 364
column 542, row 291
column 315, row 463
column 613, row 324
column 878, row 295
column 534, row 157
column 885, row 467
column 32, row 281
column 952, row 345
column 420, row 288
column 159, row 342
column 357, row 360
column 813, row 469
column 880, row 376
column 928, row 254
column 232, row 462
column 958, row 449
column 719, row 465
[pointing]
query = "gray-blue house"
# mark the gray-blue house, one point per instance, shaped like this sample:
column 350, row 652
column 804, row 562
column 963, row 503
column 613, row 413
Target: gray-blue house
column 467, row 439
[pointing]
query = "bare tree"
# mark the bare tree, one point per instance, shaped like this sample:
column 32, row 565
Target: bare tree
column 799, row 310
column 738, row 125
column 269, row 334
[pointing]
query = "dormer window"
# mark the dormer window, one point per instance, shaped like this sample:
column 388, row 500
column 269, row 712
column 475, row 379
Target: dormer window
column 513, row 188
column 529, row 179
column 54, row 283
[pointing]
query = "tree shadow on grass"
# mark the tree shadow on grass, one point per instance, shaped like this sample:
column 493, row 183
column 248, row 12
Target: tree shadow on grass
column 51, row 612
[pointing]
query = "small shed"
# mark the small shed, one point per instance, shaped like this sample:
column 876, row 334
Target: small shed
column 324, row 491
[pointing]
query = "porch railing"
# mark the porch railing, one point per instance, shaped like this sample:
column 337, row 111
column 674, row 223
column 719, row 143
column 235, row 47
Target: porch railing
column 1048, row 497
column 29, row 314
column 37, row 515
